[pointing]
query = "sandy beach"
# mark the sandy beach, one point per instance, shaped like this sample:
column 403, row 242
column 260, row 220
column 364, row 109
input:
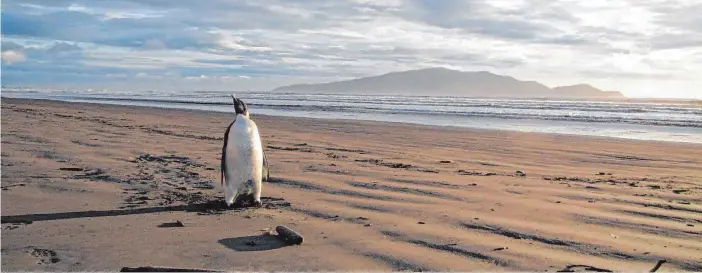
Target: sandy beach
column 89, row 187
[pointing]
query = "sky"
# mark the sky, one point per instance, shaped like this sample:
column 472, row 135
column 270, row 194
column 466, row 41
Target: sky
column 643, row 48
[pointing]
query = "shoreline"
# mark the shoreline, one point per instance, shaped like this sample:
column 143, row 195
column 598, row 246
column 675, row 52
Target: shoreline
column 696, row 101
column 400, row 123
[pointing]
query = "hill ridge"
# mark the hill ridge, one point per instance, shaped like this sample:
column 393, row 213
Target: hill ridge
column 440, row 81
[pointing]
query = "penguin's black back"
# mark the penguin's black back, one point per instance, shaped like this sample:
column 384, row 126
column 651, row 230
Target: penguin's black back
column 224, row 151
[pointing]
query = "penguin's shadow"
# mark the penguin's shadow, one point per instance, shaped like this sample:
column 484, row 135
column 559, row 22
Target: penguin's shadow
column 253, row 243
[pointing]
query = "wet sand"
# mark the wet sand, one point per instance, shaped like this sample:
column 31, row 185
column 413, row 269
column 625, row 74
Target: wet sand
column 96, row 188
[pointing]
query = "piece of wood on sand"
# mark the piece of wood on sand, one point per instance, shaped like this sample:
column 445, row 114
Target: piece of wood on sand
column 289, row 235
column 658, row 265
column 164, row 269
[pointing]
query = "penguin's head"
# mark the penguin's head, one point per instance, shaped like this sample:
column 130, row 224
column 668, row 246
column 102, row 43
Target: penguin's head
column 240, row 107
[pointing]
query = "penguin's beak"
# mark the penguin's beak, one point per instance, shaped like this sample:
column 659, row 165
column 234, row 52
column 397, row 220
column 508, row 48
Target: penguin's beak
column 240, row 107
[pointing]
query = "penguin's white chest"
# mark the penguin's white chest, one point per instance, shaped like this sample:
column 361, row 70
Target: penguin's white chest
column 243, row 161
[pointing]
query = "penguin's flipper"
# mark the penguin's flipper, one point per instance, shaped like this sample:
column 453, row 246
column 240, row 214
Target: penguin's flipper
column 223, row 161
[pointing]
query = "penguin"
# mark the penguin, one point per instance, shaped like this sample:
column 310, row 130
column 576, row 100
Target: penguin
column 242, row 164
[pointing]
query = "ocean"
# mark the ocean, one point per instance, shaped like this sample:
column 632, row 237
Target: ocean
column 675, row 121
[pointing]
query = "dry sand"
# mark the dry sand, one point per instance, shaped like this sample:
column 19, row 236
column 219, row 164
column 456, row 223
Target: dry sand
column 78, row 193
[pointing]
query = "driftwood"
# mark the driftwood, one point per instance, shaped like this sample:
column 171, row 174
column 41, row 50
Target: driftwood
column 658, row 265
column 164, row 269
column 596, row 269
column 289, row 235
column 570, row 268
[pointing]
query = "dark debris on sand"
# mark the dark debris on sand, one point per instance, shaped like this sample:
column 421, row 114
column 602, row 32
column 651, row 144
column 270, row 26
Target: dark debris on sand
column 177, row 223
column 380, row 162
column 217, row 205
column 169, row 159
column 97, row 174
column 464, row 172
column 176, row 178
column 393, row 165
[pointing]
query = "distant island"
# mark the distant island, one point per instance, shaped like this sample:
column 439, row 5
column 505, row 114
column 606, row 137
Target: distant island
column 447, row 82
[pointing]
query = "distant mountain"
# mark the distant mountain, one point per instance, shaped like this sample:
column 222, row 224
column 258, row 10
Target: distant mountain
column 446, row 82
column 585, row 91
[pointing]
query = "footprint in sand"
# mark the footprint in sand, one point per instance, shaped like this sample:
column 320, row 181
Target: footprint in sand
column 45, row 256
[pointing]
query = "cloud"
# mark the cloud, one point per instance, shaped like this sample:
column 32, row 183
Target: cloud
column 153, row 44
column 11, row 56
column 260, row 44
column 62, row 47
column 6, row 45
